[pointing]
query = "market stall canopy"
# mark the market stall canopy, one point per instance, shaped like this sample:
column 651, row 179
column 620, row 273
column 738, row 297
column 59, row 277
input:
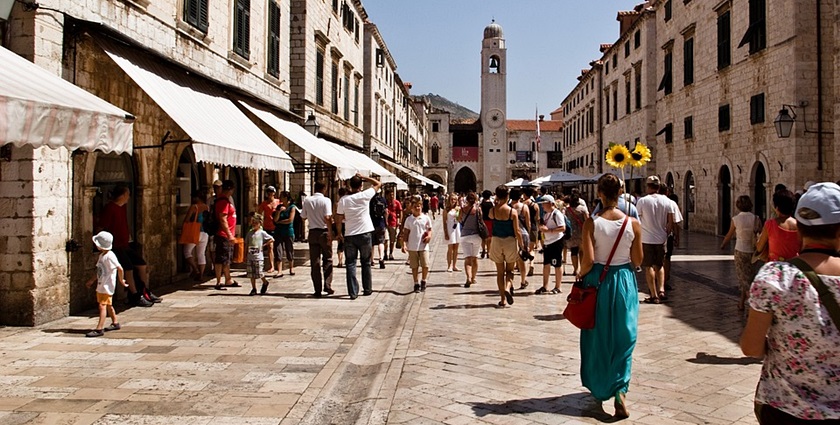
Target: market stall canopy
column 425, row 180
column 220, row 132
column 520, row 182
column 559, row 177
column 415, row 175
column 324, row 150
column 38, row 108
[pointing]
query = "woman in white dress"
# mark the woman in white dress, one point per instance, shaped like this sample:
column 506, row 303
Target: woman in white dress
column 452, row 232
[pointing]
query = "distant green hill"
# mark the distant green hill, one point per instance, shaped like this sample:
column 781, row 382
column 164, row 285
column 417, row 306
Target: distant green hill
column 456, row 111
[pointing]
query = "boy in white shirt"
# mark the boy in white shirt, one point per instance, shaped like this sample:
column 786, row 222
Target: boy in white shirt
column 417, row 232
column 108, row 273
column 553, row 226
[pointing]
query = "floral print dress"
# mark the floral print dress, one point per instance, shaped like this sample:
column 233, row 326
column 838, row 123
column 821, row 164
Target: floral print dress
column 801, row 371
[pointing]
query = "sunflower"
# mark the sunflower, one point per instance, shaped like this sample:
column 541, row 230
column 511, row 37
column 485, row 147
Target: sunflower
column 618, row 156
column 640, row 155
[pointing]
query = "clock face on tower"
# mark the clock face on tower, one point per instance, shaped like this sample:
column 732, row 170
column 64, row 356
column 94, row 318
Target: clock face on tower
column 495, row 118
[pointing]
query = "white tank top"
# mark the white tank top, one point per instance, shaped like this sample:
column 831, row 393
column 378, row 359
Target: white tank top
column 605, row 233
column 745, row 232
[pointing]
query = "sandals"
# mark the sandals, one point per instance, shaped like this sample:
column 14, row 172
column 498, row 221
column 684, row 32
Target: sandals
column 556, row 291
column 621, row 411
column 233, row 285
column 652, row 300
column 662, row 296
column 112, row 327
column 523, row 285
column 509, row 296
column 220, row 288
column 541, row 291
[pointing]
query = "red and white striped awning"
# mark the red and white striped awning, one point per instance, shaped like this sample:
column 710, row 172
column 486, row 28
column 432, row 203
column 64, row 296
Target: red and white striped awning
column 41, row 109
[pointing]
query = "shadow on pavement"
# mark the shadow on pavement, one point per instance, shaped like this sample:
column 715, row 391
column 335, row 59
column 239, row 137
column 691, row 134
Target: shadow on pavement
column 577, row 404
column 705, row 358
column 550, row 317
column 461, row 307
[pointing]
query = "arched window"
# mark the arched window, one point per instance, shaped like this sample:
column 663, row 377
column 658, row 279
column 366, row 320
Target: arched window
column 435, row 153
column 495, row 64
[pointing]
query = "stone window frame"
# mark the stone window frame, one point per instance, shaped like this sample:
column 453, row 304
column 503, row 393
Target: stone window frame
column 273, row 39
column 241, row 28
column 666, row 84
column 724, row 38
column 756, row 34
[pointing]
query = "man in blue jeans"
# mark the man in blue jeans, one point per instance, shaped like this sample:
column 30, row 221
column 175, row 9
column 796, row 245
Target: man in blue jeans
column 354, row 210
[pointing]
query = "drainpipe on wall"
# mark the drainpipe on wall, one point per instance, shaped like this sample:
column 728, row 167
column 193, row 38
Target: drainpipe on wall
column 820, row 111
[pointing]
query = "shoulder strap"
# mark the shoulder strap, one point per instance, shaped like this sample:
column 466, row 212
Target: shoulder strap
column 826, row 299
column 612, row 252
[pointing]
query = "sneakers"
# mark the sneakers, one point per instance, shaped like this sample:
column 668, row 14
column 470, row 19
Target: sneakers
column 95, row 333
column 381, row 264
column 143, row 302
column 541, row 291
column 253, row 292
column 329, row 291
column 467, row 284
column 264, row 287
column 422, row 286
column 416, row 287
column 113, row 327
column 149, row 296
column 531, row 271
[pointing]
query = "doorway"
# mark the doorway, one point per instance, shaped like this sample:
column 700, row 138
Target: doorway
column 725, row 199
column 465, row 181
column 688, row 198
column 760, row 191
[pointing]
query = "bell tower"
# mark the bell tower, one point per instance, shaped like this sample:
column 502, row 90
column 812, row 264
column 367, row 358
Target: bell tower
column 493, row 108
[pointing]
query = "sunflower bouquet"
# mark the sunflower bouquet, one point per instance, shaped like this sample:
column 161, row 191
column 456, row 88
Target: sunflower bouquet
column 619, row 157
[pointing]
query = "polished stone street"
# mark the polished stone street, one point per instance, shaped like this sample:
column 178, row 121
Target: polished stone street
column 443, row 356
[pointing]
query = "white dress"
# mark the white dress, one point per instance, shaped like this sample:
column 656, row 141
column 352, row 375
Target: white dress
column 454, row 227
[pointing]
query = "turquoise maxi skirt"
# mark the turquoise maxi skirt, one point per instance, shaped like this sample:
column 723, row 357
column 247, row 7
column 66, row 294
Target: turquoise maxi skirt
column 606, row 351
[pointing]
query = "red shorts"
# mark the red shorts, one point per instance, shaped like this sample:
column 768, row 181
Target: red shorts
column 489, row 225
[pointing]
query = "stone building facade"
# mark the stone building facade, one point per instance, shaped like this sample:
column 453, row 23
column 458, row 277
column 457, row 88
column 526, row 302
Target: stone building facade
column 264, row 54
column 703, row 83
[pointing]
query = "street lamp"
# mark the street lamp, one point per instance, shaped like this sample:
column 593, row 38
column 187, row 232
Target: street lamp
column 375, row 155
column 311, row 125
column 784, row 122
column 592, row 168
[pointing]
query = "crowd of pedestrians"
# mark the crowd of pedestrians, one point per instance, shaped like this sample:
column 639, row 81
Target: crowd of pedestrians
column 787, row 267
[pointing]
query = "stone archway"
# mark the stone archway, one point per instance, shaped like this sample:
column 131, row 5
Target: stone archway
column 759, row 190
column 437, row 178
column 688, row 198
column 465, row 181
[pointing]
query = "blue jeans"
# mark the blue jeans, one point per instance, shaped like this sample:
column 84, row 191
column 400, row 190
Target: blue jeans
column 358, row 246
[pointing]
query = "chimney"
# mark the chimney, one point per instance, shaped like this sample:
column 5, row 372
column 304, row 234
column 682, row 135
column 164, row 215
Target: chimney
column 542, row 117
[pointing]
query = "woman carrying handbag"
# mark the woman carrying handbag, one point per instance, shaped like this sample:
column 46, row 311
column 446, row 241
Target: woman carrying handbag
column 193, row 238
column 611, row 241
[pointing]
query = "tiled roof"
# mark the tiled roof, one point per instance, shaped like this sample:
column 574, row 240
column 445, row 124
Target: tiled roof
column 605, row 47
column 628, row 13
column 531, row 125
column 556, row 111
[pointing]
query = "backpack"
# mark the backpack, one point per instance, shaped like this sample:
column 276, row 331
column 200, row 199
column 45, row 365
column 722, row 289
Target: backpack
column 210, row 224
column 378, row 209
column 569, row 229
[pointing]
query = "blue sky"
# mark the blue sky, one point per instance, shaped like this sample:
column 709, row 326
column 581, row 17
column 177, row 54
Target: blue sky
column 437, row 45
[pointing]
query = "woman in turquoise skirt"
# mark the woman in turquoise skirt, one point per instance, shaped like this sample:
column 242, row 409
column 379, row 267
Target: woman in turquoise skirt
column 606, row 351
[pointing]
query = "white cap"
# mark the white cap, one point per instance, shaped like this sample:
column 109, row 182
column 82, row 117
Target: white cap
column 103, row 240
column 546, row 199
column 819, row 205
column 808, row 184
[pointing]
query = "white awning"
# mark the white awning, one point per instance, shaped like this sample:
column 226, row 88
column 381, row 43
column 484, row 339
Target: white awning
column 426, row 180
column 320, row 148
column 397, row 166
column 385, row 176
column 220, row 132
column 41, row 109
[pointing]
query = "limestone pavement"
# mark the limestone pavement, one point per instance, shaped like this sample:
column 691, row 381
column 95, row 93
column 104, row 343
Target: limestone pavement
column 446, row 355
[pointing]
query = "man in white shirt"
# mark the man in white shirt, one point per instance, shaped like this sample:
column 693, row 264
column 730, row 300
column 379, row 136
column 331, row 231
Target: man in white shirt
column 317, row 209
column 354, row 209
column 657, row 219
